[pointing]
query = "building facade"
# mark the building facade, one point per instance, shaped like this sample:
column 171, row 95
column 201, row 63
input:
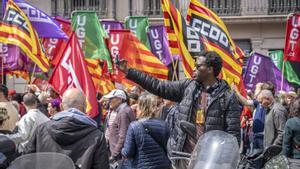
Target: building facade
column 255, row 25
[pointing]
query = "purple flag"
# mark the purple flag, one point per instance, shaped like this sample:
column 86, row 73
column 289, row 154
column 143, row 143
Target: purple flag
column 260, row 68
column 45, row 26
column 108, row 25
column 159, row 43
column 278, row 79
column 12, row 57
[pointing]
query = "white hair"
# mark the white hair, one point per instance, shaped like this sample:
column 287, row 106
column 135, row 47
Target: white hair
column 266, row 93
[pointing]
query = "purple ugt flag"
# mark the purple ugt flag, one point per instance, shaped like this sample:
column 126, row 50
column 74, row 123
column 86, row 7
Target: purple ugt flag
column 45, row 26
column 260, row 68
column 12, row 58
column 159, row 43
column 108, row 25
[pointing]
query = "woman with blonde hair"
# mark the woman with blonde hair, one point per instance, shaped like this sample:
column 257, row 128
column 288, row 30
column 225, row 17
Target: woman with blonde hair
column 146, row 139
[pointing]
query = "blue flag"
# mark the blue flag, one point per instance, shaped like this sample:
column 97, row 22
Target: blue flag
column 45, row 26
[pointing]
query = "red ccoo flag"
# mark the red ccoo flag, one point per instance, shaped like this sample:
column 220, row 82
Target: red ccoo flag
column 71, row 72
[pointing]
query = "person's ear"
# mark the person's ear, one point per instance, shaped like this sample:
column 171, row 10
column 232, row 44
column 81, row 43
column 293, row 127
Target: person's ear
column 210, row 69
column 61, row 107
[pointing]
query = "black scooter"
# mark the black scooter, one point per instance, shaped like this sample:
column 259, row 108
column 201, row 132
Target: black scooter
column 242, row 162
column 247, row 162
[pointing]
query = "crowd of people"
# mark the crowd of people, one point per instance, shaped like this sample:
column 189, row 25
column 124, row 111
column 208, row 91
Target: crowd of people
column 140, row 127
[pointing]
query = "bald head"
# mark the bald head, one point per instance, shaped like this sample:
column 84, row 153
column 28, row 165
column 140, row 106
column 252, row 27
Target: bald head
column 74, row 98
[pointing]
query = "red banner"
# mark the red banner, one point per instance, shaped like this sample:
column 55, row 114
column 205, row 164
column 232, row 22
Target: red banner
column 71, row 72
column 54, row 47
column 292, row 39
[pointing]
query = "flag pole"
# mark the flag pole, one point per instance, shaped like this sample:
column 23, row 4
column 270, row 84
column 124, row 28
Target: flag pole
column 282, row 76
column 283, row 66
column 2, row 70
column 175, row 70
column 30, row 80
column 174, row 65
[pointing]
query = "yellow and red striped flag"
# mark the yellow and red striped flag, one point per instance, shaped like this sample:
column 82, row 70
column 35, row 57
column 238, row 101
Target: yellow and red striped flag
column 102, row 83
column 183, row 39
column 172, row 39
column 217, row 39
column 16, row 29
column 125, row 45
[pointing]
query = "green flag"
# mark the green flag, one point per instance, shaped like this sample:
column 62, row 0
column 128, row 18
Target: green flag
column 91, row 35
column 138, row 26
column 289, row 73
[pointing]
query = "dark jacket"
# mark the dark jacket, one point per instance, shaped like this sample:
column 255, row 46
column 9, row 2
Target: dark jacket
column 119, row 128
column 291, row 138
column 274, row 125
column 144, row 148
column 8, row 149
column 223, row 113
column 74, row 134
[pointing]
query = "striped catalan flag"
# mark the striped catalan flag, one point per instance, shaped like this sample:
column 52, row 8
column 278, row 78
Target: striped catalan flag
column 102, row 83
column 172, row 39
column 217, row 39
column 125, row 45
column 177, row 29
column 142, row 59
column 18, row 74
column 139, row 56
column 16, row 29
column 128, row 84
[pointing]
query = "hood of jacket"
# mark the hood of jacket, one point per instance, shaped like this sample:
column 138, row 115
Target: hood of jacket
column 69, row 126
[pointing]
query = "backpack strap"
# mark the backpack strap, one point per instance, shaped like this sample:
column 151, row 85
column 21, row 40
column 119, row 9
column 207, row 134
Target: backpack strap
column 149, row 132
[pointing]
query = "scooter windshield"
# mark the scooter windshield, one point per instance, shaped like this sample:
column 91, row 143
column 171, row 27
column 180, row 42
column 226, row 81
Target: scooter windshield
column 42, row 161
column 215, row 150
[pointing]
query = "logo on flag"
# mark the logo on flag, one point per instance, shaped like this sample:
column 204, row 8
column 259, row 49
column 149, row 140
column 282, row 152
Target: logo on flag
column 71, row 72
column 45, row 26
column 17, row 30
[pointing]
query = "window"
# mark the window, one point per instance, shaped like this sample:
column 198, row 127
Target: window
column 225, row 7
column 152, row 8
column 66, row 7
column 245, row 45
column 283, row 6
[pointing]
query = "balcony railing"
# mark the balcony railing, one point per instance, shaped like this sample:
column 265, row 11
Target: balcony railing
column 253, row 7
column 283, row 6
column 224, row 7
column 153, row 12
column 65, row 8
column 150, row 8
